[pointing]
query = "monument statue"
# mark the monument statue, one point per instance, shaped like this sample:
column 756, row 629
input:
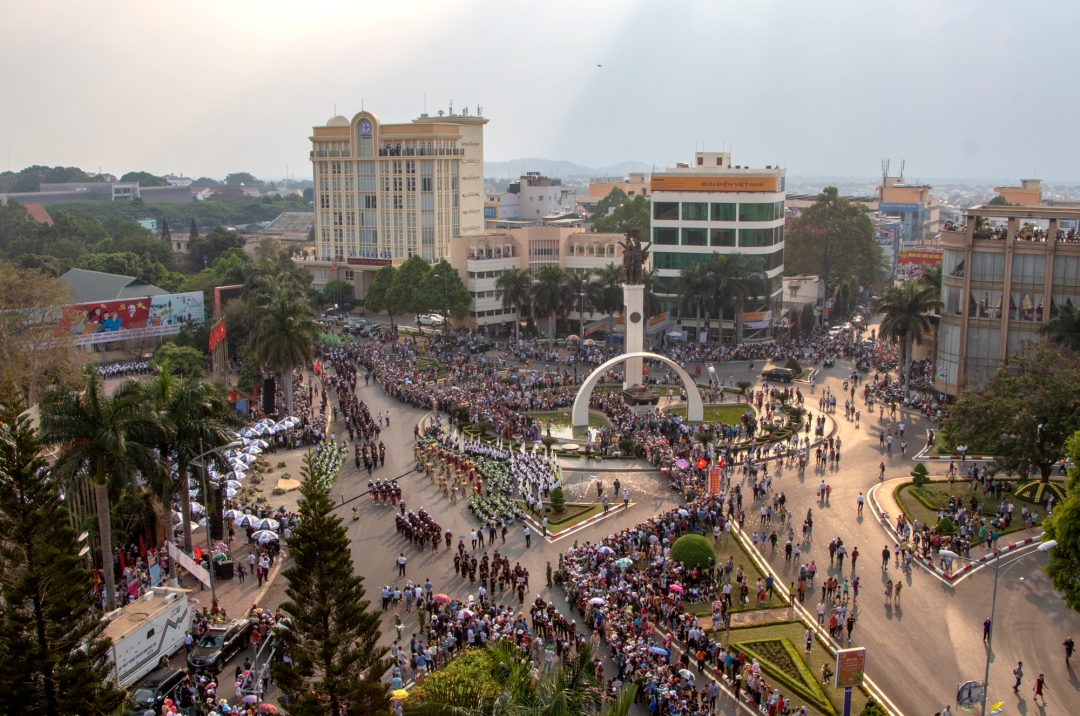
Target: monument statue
column 634, row 255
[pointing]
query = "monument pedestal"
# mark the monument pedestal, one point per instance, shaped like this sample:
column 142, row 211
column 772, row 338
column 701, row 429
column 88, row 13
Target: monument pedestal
column 633, row 332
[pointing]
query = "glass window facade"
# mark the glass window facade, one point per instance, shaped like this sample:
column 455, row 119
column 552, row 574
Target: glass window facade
column 724, row 212
column 665, row 237
column 666, row 211
column 1026, row 306
column 1067, row 270
column 953, row 264
column 987, row 266
column 677, row 260
column 1017, row 338
column 952, row 298
column 982, row 354
column 984, row 304
column 695, row 237
column 949, row 352
column 756, row 237
column 761, row 212
column 695, row 211
column 1028, row 268
column 722, row 237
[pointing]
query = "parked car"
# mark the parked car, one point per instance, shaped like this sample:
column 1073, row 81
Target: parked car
column 433, row 319
column 784, row 375
column 219, row 644
column 154, row 689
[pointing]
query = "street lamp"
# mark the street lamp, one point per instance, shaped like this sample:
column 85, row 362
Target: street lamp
column 206, row 494
column 1044, row 547
column 581, row 314
column 446, row 298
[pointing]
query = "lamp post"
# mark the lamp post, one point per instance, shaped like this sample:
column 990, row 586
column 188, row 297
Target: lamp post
column 206, row 493
column 446, row 298
column 581, row 314
column 1044, row 547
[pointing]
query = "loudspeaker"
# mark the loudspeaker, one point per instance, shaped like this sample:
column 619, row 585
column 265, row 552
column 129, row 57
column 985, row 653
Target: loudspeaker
column 215, row 519
column 269, row 390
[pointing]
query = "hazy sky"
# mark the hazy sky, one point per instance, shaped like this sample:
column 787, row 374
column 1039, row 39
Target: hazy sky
column 960, row 88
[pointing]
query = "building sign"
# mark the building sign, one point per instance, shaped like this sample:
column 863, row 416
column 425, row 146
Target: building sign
column 108, row 321
column 705, row 183
column 756, row 320
column 898, row 208
column 365, row 129
column 923, row 257
column 850, row 667
column 369, row 262
column 491, row 211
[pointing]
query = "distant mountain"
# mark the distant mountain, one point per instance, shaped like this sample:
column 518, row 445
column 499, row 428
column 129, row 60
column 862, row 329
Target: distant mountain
column 557, row 168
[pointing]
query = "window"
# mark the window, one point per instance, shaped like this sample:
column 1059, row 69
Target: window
column 984, row 304
column 758, row 212
column 1026, row 306
column 756, row 237
column 953, row 263
column 987, row 266
column 1067, row 270
column 722, row 237
column 695, row 211
column 668, row 237
column 672, row 260
column 952, row 297
column 666, row 211
column 694, row 237
column 1028, row 268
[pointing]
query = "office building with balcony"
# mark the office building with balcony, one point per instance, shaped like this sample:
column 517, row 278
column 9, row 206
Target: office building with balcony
column 386, row 192
column 918, row 212
column 709, row 206
column 1006, row 272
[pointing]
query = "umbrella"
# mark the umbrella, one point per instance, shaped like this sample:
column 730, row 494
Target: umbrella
column 676, row 588
column 399, row 695
column 684, row 513
column 231, row 492
column 264, row 536
column 658, row 650
column 465, row 614
column 686, row 674
column 624, row 562
column 682, row 464
column 268, row 709
column 590, row 342
column 266, row 524
column 234, row 484
column 441, row 599
column 250, row 699
column 596, row 600
column 573, row 338
column 245, row 521
column 606, row 550
column 196, row 508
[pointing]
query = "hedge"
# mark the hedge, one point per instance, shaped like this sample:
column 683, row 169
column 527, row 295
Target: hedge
column 693, row 550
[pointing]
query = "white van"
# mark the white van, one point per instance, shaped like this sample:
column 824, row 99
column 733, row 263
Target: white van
column 146, row 630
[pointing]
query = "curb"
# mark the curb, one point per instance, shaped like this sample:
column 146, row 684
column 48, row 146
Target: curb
column 555, row 536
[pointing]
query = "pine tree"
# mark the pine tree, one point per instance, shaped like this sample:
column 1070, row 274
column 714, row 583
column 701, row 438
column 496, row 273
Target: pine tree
column 194, row 230
column 166, row 235
column 53, row 659
column 335, row 664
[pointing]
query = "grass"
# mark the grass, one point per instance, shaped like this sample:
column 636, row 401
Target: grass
column 934, row 497
column 939, row 448
column 730, row 546
column 426, row 363
column 727, row 414
column 819, row 655
column 562, row 419
column 575, row 513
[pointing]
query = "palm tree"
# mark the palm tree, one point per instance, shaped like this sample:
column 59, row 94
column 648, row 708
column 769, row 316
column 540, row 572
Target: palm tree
column 695, row 289
column 549, row 293
column 931, row 278
column 197, row 417
column 109, row 439
column 650, row 301
column 609, row 283
column 737, row 278
column 284, row 335
column 904, row 310
column 1064, row 328
column 514, row 288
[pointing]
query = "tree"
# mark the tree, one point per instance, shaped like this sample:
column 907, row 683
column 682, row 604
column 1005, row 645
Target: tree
column 1024, row 414
column 834, row 236
column 376, row 298
column 905, row 308
column 239, row 178
column 283, row 334
column 129, row 263
column 558, row 500
column 550, row 293
column 340, row 293
column 614, row 198
column 1063, row 328
column 695, row 289
column 204, row 250
column 794, row 328
column 931, row 278
column 514, row 289
column 106, row 438
column 608, row 286
column 808, row 319
column 632, row 214
column 166, row 235
column 32, row 352
column 194, row 232
column 53, row 658
column 335, row 664
column 920, row 475
column 998, row 200
column 447, row 292
column 736, row 279
column 403, row 298
column 178, row 360
column 693, row 550
column 269, row 248
column 1064, row 526
column 145, row 179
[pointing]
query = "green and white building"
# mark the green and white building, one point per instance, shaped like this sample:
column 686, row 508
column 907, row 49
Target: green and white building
column 709, row 206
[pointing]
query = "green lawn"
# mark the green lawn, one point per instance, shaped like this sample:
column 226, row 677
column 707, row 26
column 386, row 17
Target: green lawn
column 937, row 494
column 818, row 656
column 562, row 419
column 575, row 513
column 728, row 413
column 730, row 546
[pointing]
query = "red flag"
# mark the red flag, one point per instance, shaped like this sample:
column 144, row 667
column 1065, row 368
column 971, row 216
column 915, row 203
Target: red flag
column 142, row 547
column 123, row 566
column 702, row 463
column 198, row 554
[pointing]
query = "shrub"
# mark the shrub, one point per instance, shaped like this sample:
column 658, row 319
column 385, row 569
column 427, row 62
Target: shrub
column 945, row 526
column 793, row 365
column 873, row 708
column 920, row 475
column 744, row 385
column 558, row 500
column 693, row 551
column 626, row 446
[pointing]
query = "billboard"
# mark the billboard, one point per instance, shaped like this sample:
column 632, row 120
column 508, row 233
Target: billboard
column 923, row 257
column 755, row 320
column 850, row 667
column 664, row 182
column 898, row 208
column 107, row 321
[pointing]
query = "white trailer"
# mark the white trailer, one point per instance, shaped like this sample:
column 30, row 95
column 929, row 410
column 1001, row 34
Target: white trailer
column 146, row 630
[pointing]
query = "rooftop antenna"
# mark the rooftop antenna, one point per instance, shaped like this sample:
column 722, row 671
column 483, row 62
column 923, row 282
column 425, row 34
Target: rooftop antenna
column 902, row 171
column 884, row 175
column 451, row 108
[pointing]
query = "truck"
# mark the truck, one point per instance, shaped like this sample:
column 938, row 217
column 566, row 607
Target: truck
column 146, row 630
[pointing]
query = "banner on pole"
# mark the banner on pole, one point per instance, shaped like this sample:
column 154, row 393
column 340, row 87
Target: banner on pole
column 184, row 560
column 714, row 481
column 850, row 667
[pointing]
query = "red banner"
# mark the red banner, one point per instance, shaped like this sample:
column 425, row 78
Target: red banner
column 217, row 335
column 714, row 481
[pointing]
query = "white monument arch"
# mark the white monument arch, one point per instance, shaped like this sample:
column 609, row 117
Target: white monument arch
column 695, row 409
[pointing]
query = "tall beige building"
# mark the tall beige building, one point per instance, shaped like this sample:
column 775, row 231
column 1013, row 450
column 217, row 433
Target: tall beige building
column 385, row 192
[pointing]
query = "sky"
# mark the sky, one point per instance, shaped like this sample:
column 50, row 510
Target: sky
column 976, row 89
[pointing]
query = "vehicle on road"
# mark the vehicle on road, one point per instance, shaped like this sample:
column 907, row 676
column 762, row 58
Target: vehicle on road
column 432, row 319
column 219, row 644
column 144, row 631
column 784, row 375
column 152, row 692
